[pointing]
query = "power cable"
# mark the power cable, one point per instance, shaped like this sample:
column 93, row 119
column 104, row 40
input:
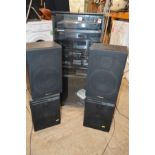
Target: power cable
column 28, row 109
column 121, row 113
column 31, row 139
column 109, row 139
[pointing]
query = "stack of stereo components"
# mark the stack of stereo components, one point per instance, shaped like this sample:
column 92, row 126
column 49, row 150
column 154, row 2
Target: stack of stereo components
column 76, row 32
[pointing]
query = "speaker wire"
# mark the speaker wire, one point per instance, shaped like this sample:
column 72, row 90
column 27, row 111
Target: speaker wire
column 110, row 138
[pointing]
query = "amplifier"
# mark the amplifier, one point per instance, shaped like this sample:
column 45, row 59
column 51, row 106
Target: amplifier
column 81, row 44
column 75, row 53
column 92, row 35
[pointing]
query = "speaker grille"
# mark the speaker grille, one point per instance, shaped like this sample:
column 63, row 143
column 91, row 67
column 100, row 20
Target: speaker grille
column 102, row 83
column 45, row 68
column 46, row 80
column 98, row 116
column 45, row 112
column 105, row 70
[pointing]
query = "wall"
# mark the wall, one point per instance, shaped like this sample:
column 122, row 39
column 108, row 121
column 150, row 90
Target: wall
column 77, row 5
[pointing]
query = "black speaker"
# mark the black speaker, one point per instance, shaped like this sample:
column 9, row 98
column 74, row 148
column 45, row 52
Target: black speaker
column 45, row 112
column 98, row 114
column 105, row 71
column 44, row 61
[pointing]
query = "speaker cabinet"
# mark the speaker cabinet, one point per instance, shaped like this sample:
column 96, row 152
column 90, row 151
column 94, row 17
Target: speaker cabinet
column 98, row 114
column 105, row 71
column 44, row 65
column 45, row 112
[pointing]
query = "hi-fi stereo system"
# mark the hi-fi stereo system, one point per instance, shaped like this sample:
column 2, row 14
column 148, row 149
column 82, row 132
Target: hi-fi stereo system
column 76, row 32
column 76, row 50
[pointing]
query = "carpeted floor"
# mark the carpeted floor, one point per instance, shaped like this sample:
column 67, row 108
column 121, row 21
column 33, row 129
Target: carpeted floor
column 71, row 138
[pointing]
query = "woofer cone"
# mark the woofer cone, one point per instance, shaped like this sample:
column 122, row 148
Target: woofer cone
column 45, row 80
column 102, row 83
